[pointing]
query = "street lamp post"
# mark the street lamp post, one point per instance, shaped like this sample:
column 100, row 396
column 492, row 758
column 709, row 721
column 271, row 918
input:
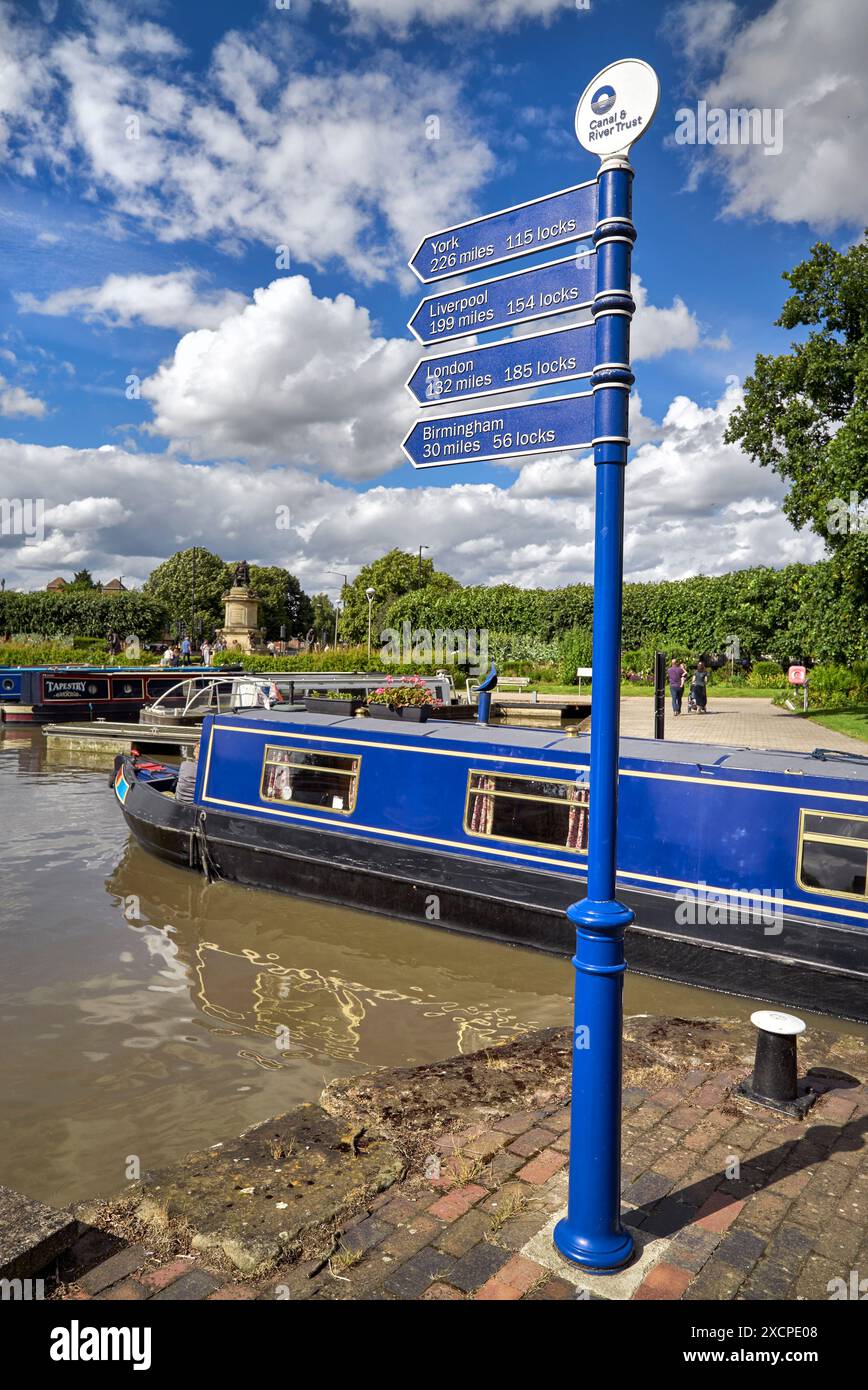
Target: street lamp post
column 421, row 548
column 340, row 574
column 370, row 595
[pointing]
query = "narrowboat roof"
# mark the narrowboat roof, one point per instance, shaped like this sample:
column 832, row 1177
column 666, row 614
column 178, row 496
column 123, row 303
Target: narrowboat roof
column 826, row 763
column 155, row 669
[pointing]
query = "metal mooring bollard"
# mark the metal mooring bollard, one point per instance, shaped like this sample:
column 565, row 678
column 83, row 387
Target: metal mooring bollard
column 774, row 1082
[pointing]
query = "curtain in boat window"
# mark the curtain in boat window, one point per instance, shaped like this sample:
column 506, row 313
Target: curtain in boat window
column 533, row 810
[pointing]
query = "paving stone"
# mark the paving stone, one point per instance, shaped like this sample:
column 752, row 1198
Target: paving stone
column 517, row 1277
column 553, row 1289
column 128, row 1291
column 543, row 1167
column 457, row 1202
column 235, row 1292
column 406, row 1240
column 478, row 1265
column 715, row 1282
column 442, row 1293
column 160, row 1278
column 741, row 1249
column 195, row 1284
column 531, row 1142
column 366, row 1234
column 719, row 1212
column 411, row 1279
column 113, row 1270
column 664, row 1281
column 691, row 1248
column 648, row 1188
column 461, row 1235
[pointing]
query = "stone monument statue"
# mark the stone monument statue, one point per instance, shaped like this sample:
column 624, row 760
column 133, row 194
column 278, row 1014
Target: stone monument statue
column 241, row 629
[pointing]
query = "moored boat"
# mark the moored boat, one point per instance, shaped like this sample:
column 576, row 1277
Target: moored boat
column 746, row 869
column 48, row 694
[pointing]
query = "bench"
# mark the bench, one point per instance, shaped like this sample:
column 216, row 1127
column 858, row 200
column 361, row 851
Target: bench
column 504, row 683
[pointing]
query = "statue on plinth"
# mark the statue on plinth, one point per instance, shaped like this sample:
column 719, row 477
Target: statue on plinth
column 241, row 628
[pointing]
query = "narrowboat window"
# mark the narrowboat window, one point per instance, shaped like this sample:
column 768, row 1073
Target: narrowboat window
column 833, row 855
column 303, row 777
column 532, row 810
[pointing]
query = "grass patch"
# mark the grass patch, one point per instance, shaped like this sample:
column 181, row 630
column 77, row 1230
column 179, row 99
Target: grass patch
column 853, row 721
column 513, row 1204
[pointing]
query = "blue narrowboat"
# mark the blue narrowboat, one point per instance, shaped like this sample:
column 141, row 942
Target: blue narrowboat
column 50, row 694
column 746, row 869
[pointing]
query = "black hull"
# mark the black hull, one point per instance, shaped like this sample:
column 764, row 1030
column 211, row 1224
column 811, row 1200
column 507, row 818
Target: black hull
column 821, row 968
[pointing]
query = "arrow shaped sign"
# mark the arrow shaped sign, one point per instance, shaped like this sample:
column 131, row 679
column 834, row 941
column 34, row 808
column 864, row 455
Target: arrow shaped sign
column 522, row 295
column 536, row 360
column 569, row 215
column 536, row 427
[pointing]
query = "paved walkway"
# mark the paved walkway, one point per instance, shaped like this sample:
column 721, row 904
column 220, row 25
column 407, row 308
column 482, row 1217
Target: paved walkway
column 741, row 722
column 725, row 1200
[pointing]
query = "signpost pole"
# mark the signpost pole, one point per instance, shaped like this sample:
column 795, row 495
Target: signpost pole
column 591, row 1233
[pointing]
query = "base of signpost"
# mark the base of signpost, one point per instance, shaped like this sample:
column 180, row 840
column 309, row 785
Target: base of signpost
column 605, row 1257
column 591, row 1234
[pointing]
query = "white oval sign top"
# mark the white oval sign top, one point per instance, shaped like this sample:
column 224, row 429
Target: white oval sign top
column 617, row 107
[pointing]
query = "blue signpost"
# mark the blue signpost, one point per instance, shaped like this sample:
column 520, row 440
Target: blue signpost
column 615, row 109
column 496, row 368
column 554, row 288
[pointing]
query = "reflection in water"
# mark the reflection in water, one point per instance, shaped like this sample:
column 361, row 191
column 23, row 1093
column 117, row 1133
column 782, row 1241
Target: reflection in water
column 296, row 996
column 146, row 1013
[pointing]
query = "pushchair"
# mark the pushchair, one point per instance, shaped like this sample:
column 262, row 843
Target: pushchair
column 692, row 706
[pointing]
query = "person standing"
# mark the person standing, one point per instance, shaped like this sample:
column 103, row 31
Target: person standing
column 676, row 675
column 206, row 652
column 699, row 687
column 186, row 651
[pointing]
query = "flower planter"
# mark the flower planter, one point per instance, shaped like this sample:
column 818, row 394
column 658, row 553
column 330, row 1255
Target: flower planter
column 320, row 704
column 413, row 714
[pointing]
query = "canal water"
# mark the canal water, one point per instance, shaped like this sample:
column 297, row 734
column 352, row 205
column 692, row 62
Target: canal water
column 145, row 1013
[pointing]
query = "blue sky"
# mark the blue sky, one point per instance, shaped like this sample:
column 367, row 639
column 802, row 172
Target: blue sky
column 155, row 156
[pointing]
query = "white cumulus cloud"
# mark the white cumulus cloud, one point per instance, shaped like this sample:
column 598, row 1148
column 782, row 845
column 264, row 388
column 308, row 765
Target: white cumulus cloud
column 292, row 378
column 172, row 300
column 807, row 61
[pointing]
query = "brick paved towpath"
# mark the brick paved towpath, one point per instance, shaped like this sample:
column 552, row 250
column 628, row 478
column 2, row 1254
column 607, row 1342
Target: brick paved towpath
column 725, row 1200
column 740, row 722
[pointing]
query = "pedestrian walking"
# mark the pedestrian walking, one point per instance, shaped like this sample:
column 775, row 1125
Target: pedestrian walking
column 676, row 675
column 699, row 688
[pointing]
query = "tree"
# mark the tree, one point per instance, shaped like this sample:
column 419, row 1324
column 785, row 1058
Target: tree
column 323, row 622
column 284, row 602
column 172, row 583
column 805, row 412
column 394, row 574
column 82, row 579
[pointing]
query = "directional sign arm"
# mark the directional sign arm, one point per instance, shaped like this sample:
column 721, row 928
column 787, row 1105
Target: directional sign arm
column 557, row 287
column 538, row 359
column 538, row 225
column 502, row 432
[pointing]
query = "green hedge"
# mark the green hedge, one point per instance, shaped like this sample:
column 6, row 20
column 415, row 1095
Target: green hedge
column 84, row 613
column 800, row 612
